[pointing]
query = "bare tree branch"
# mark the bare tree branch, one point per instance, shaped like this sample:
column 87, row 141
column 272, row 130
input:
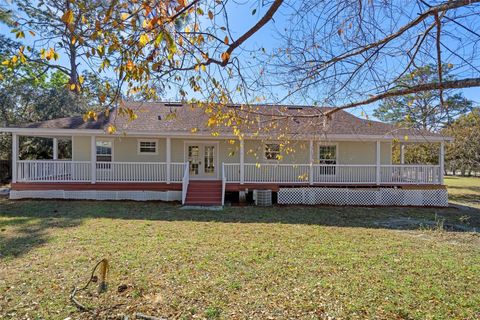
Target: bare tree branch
column 454, row 84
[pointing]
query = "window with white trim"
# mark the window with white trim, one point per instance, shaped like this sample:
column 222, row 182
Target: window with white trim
column 104, row 153
column 272, row 151
column 147, row 147
column 327, row 154
column 104, row 150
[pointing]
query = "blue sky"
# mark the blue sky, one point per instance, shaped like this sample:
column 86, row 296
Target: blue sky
column 267, row 38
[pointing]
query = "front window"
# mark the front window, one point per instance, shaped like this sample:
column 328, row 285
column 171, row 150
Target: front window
column 328, row 156
column 147, row 147
column 272, row 151
column 104, row 153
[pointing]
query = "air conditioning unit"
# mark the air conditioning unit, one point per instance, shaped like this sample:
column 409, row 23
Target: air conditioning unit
column 263, row 198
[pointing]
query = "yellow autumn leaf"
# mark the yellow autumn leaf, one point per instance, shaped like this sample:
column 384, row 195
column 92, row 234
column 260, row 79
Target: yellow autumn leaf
column 226, row 40
column 67, row 17
column 111, row 129
column 144, row 39
column 81, row 79
column 211, row 122
column 49, row 55
column 72, row 86
column 405, row 138
column 193, row 130
column 125, row 16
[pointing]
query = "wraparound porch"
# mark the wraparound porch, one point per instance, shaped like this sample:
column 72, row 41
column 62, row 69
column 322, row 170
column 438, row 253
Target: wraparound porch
column 208, row 157
column 160, row 172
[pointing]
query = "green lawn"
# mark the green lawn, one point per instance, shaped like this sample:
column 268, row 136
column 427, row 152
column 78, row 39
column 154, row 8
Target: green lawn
column 274, row 263
column 464, row 190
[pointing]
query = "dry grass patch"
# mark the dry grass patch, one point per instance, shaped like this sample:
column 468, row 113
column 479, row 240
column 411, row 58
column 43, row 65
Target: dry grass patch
column 282, row 263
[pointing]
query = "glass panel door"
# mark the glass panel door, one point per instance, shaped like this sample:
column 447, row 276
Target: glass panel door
column 202, row 160
column 209, row 160
column 194, row 160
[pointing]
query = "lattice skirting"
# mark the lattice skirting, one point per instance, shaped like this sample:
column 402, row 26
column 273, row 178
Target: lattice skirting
column 364, row 197
column 98, row 195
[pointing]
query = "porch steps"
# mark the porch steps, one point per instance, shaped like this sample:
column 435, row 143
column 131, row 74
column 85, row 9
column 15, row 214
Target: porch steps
column 204, row 193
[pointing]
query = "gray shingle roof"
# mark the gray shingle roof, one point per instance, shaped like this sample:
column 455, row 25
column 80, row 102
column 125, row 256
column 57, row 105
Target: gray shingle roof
column 75, row 122
column 163, row 117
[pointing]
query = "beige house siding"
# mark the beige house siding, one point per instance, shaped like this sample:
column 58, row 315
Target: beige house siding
column 125, row 149
column 294, row 152
column 80, row 148
column 177, row 150
column 353, row 152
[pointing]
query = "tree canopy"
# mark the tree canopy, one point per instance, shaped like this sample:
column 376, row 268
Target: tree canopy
column 424, row 110
column 464, row 152
column 342, row 54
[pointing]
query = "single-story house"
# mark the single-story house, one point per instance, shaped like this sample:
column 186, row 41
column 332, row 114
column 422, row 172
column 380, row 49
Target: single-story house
column 172, row 152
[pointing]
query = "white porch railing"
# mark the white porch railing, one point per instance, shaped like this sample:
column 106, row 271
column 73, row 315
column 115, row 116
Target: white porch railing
column 185, row 182
column 411, row 174
column 138, row 172
column 81, row 171
column 53, row 171
column 333, row 174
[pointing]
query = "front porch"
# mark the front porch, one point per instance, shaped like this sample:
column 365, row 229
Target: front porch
column 167, row 177
column 155, row 176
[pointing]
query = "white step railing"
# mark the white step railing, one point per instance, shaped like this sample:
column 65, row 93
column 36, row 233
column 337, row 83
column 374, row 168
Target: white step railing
column 185, row 181
column 224, row 183
column 53, row 171
column 333, row 174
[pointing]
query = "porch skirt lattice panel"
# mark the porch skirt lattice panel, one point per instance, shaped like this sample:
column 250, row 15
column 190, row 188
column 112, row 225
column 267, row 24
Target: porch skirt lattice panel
column 98, row 195
column 364, row 197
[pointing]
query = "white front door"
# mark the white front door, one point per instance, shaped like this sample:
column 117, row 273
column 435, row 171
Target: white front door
column 202, row 160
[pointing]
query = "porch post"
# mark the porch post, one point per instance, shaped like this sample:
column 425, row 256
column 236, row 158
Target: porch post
column 402, row 154
column 441, row 161
column 15, row 149
column 55, row 149
column 242, row 161
column 377, row 153
column 169, row 158
column 310, row 175
column 93, row 159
